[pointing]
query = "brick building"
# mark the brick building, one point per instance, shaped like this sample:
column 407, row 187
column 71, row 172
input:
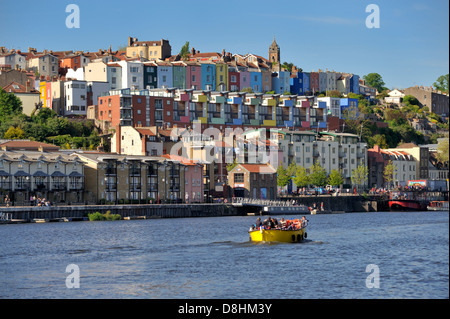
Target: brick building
column 258, row 181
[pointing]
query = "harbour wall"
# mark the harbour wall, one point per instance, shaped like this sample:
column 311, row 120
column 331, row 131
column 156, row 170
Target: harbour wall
column 30, row 213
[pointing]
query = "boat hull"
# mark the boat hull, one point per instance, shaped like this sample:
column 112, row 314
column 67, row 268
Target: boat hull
column 407, row 205
column 278, row 235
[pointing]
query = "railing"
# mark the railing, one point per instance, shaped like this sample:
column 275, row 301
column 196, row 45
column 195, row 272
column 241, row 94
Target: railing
column 5, row 216
column 265, row 202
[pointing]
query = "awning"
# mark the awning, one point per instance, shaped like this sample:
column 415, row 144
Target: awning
column 76, row 174
column 21, row 174
column 40, row 174
column 58, row 174
column 3, row 173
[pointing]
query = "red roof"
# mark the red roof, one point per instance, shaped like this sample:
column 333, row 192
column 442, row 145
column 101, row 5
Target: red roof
column 258, row 168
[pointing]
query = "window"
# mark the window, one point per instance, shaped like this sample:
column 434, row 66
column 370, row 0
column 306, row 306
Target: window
column 239, row 178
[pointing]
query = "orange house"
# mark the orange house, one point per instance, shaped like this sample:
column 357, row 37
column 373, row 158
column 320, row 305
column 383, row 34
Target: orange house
column 74, row 61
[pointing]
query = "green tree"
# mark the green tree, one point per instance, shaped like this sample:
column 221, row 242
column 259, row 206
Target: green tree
column 380, row 140
column 388, row 173
column 360, row 176
column 335, row 178
column 441, row 83
column 10, row 104
column 282, row 176
column 14, row 133
column 318, row 176
column 301, row 178
column 410, row 100
column 184, row 52
column 374, row 80
column 442, row 150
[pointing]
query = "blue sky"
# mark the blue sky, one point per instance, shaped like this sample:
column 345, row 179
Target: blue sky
column 411, row 47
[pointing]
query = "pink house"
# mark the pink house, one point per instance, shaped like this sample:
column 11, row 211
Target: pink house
column 193, row 177
column 193, row 75
column 244, row 78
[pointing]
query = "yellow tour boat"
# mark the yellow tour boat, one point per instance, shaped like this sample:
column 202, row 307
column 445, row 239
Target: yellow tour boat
column 280, row 235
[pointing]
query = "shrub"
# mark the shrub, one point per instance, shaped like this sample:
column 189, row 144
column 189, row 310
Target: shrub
column 100, row 217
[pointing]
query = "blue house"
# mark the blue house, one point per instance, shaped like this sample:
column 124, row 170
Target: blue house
column 300, row 84
column 354, row 84
column 256, row 81
column 281, row 82
column 208, row 76
column 349, row 109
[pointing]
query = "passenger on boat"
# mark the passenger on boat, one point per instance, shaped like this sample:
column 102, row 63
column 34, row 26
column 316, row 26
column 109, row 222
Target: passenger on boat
column 268, row 223
column 304, row 221
column 282, row 223
column 258, row 222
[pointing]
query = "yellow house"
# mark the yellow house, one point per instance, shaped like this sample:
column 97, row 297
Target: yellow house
column 221, row 76
column 42, row 86
column 151, row 50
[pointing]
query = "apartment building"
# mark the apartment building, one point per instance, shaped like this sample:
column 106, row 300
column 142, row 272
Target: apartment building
column 340, row 151
column 52, row 175
column 124, row 179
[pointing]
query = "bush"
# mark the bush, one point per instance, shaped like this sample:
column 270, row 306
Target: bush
column 100, row 217
column 96, row 217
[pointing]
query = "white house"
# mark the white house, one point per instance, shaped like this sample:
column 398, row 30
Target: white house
column 132, row 74
column 75, row 93
column 395, row 96
column 333, row 105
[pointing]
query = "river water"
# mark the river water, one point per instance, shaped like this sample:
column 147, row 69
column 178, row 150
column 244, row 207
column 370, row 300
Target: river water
column 354, row 255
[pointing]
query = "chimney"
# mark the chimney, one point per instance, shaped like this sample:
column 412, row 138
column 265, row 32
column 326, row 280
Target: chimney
column 193, row 51
column 28, row 86
column 130, row 41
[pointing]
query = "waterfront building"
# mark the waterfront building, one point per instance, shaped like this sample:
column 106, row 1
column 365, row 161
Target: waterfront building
column 340, row 151
column 148, row 141
column 40, row 171
column 122, row 179
column 257, row 181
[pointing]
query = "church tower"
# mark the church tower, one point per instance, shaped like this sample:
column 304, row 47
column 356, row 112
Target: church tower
column 274, row 55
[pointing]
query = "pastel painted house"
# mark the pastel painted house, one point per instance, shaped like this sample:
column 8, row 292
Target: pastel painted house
column 164, row 74
column 281, row 82
column 193, row 75
column 300, row 84
column 256, row 81
column 208, row 76
column 222, row 77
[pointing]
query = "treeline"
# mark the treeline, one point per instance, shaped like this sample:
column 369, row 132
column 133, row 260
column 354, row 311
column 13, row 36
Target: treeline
column 44, row 125
column 316, row 175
